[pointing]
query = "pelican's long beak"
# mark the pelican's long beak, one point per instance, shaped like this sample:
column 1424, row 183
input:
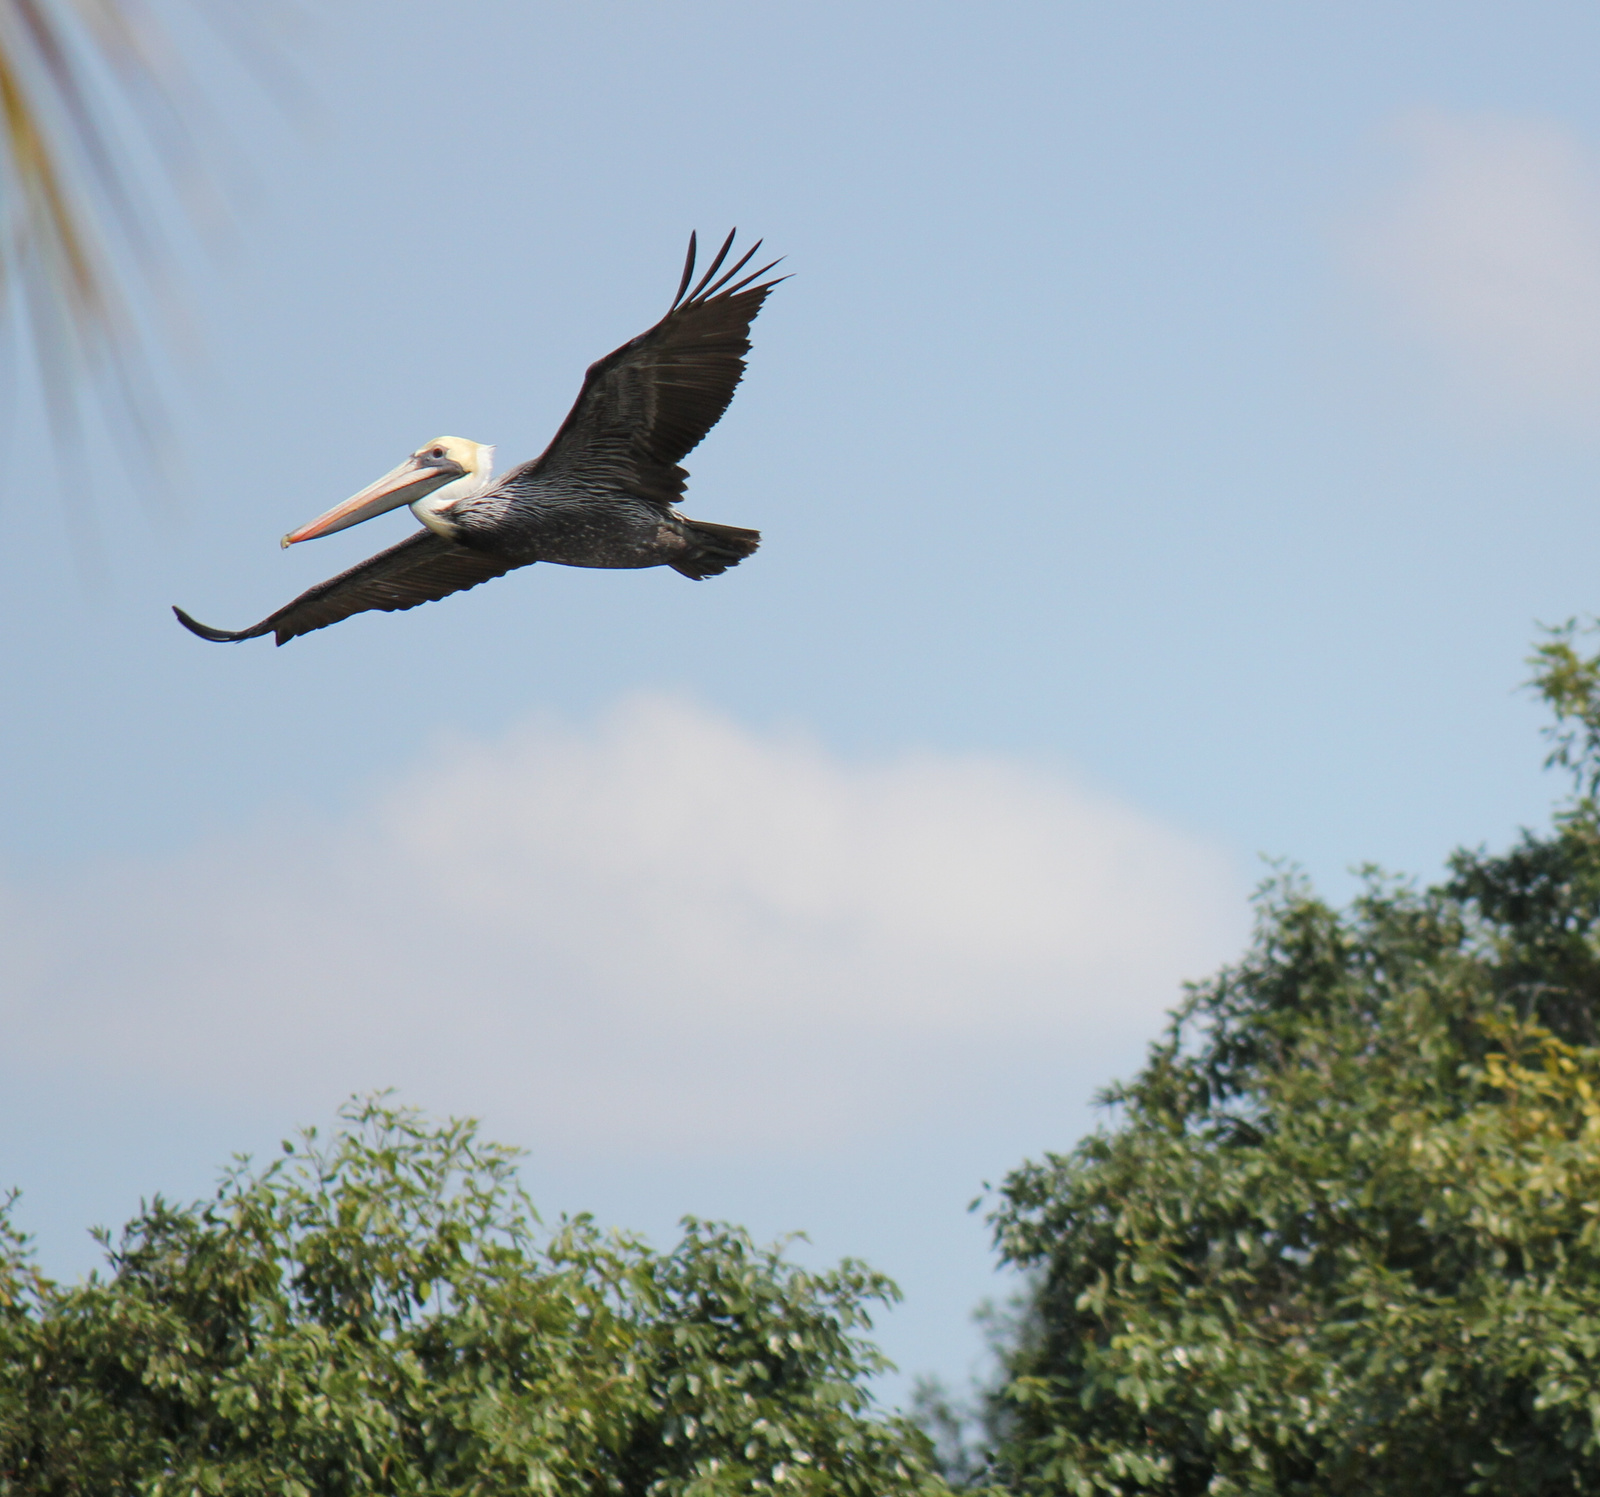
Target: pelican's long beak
column 412, row 480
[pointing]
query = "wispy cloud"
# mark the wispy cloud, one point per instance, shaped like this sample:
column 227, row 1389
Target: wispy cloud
column 662, row 930
column 1487, row 251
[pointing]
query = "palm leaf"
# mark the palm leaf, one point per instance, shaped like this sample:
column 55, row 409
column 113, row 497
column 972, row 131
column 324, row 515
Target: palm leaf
column 77, row 220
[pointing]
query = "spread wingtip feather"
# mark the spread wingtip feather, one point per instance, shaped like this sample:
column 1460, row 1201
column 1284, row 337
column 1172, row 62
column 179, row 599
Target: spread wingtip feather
column 205, row 631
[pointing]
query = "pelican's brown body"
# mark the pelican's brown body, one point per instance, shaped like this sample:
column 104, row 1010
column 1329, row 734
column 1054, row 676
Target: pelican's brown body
column 602, row 494
column 532, row 524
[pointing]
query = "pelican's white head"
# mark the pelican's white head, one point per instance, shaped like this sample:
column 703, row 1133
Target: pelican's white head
column 475, row 459
column 432, row 479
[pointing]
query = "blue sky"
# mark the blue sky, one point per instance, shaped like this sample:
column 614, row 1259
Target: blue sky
column 1178, row 424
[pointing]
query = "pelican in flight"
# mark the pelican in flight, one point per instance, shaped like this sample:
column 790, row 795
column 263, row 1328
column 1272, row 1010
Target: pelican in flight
column 602, row 494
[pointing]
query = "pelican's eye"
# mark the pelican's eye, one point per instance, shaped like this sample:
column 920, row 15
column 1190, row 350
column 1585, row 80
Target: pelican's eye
column 437, row 452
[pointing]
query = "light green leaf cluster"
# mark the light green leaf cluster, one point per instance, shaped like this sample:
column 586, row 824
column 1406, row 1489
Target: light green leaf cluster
column 384, row 1314
column 1344, row 1234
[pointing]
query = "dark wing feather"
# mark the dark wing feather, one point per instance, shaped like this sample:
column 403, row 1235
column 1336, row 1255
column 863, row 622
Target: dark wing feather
column 646, row 406
column 420, row 569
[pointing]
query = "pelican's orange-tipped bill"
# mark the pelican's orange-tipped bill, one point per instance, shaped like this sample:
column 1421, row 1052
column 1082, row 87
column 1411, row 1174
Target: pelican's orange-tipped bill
column 415, row 478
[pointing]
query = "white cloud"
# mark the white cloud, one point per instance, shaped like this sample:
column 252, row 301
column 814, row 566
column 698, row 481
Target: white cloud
column 1488, row 252
column 661, row 931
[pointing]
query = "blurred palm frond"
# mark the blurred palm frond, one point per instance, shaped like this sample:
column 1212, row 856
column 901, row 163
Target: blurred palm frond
column 65, row 187
column 97, row 148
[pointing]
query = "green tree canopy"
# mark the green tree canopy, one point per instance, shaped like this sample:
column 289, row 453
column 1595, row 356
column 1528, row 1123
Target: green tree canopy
column 383, row 1314
column 1342, row 1234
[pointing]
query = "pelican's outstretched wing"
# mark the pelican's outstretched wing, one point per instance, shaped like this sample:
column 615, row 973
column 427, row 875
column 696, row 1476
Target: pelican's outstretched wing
column 421, row 568
column 645, row 407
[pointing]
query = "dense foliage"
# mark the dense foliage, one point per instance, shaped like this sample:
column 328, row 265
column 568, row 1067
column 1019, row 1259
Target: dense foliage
column 1343, row 1233
column 384, row 1315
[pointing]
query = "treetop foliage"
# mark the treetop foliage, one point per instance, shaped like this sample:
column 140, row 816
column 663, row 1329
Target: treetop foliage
column 1341, row 1235
column 383, row 1313
column 1343, row 1232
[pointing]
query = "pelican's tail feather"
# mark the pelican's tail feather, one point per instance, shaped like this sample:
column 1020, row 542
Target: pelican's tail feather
column 714, row 548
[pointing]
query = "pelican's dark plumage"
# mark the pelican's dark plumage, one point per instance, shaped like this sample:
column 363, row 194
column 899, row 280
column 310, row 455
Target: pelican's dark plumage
column 602, row 494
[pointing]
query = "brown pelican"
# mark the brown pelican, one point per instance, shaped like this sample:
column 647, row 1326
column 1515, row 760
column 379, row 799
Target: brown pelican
column 602, row 494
